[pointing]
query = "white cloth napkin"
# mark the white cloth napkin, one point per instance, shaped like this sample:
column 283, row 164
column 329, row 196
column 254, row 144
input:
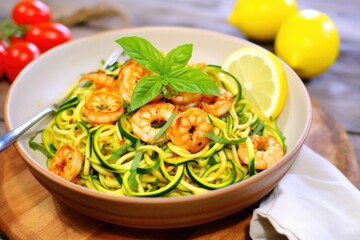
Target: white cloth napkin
column 313, row 201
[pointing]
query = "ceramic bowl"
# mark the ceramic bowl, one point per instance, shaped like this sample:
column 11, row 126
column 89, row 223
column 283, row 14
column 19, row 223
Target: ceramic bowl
column 47, row 78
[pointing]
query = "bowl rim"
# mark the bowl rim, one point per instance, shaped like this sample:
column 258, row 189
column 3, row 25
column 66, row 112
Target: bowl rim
column 158, row 200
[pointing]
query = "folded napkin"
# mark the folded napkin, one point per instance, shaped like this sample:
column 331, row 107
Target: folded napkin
column 313, row 201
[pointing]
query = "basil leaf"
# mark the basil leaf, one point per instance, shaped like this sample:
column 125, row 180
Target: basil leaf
column 133, row 169
column 222, row 140
column 164, row 128
column 143, row 52
column 177, row 58
column 192, row 80
column 119, row 152
column 38, row 146
column 171, row 69
column 145, row 90
column 259, row 128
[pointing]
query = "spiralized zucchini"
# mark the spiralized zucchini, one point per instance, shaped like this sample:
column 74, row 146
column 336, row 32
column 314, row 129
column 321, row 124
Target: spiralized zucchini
column 115, row 161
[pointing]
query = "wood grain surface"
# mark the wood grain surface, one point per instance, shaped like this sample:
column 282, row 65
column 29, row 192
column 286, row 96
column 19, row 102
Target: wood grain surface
column 28, row 211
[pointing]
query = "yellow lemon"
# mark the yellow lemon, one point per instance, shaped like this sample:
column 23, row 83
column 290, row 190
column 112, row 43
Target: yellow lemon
column 262, row 77
column 261, row 19
column 308, row 42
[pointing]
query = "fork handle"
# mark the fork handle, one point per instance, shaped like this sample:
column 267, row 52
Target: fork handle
column 10, row 137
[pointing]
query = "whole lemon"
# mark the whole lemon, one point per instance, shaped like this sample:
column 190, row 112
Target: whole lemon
column 308, row 42
column 261, row 19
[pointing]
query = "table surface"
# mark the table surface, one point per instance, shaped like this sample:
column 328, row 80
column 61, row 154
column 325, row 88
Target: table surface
column 337, row 90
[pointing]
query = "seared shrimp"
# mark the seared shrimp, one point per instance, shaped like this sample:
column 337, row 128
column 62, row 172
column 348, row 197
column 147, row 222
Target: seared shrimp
column 217, row 105
column 268, row 151
column 186, row 100
column 67, row 162
column 103, row 107
column 142, row 121
column 100, row 79
column 129, row 75
column 188, row 129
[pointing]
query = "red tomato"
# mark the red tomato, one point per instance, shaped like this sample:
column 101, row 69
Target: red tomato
column 2, row 58
column 30, row 12
column 48, row 35
column 18, row 56
column 15, row 39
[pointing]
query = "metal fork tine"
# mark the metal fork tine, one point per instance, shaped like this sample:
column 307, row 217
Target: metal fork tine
column 11, row 136
column 117, row 55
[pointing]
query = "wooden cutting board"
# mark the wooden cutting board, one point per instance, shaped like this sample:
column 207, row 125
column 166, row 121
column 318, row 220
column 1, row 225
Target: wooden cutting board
column 28, row 211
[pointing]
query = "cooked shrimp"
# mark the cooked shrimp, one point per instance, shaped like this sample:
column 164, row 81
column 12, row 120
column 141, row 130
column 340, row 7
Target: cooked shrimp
column 188, row 129
column 186, row 100
column 67, row 162
column 129, row 75
column 217, row 105
column 268, row 151
column 103, row 107
column 100, row 79
column 142, row 121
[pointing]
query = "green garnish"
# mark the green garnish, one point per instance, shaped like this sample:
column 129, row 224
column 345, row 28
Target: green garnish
column 101, row 107
column 172, row 71
column 134, row 165
column 39, row 146
column 222, row 140
column 164, row 128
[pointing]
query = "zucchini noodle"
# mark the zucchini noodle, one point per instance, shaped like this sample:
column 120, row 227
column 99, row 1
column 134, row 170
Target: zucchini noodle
column 116, row 161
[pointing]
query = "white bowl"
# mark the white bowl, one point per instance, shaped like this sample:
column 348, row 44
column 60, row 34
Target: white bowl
column 46, row 79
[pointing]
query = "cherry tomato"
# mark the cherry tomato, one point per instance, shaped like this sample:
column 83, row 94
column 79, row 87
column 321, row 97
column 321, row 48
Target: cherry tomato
column 18, row 56
column 15, row 39
column 48, row 35
column 2, row 58
column 30, row 12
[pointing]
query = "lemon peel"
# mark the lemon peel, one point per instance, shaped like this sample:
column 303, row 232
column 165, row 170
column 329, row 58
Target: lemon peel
column 308, row 42
column 261, row 19
column 262, row 77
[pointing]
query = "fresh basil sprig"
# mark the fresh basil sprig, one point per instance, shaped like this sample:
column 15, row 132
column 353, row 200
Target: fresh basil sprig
column 171, row 71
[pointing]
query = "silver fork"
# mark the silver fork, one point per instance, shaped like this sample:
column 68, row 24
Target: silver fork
column 11, row 136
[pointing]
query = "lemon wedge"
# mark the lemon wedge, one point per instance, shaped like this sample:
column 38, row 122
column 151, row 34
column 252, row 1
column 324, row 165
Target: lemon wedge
column 262, row 78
